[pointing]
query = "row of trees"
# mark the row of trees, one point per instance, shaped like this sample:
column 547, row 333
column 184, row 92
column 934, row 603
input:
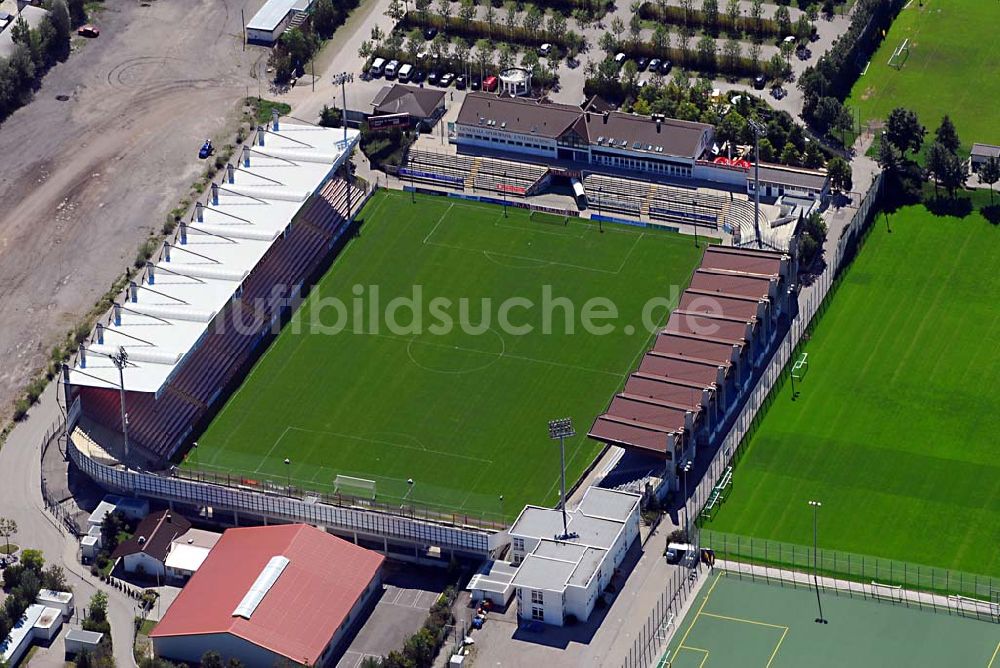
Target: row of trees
column 827, row 83
column 421, row 648
column 35, row 51
column 584, row 10
column 901, row 143
column 713, row 20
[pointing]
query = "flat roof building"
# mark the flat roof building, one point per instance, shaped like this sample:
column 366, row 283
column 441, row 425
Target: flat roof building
column 981, row 153
column 271, row 20
column 558, row 577
column 271, row 594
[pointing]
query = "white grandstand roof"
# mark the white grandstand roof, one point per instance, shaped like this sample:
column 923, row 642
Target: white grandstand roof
column 172, row 311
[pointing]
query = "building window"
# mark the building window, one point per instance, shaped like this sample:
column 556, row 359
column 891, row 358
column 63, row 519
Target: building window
column 519, row 544
column 538, row 614
column 537, row 596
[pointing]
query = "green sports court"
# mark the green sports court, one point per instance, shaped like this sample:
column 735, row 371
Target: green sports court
column 737, row 622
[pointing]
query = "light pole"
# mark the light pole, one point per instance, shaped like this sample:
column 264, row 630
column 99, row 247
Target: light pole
column 758, row 129
column 600, row 197
column 694, row 221
column 120, row 360
column 503, row 190
column 288, row 476
column 816, row 505
column 503, row 519
column 562, row 429
column 343, row 79
column 686, row 468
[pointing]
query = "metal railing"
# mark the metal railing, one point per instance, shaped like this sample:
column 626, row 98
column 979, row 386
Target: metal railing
column 662, row 621
column 861, row 568
column 358, row 521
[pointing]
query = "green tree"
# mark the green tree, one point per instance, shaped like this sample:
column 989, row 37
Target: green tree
column 790, row 155
column 803, row 28
column 377, row 35
column 98, row 608
column 706, row 53
column 8, row 529
column 635, row 24
column 840, row 174
column 467, row 11
column 533, row 19
column 757, row 14
column 733, row 17
column 112, row 528
column 989, row 173
column 661, row 38
column 444, row 9
column 510, row 19
column 710, row 12
column 395, row 11
column 776, row 67
column 325, row 17
column 952, row 173
column 33, row 560
column 732, row 51
column 59, row 19
column 889, row 157
column 766, row 149
column 904, row 131
column 784, row 20
column 947, row 135
column 935, row 160
column 77, row 12
column 54, row 578
column 212, row 659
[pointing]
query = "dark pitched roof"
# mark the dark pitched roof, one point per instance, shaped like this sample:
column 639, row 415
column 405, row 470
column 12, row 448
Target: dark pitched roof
column 985, row 151
column 645, row 134
column 154, row 535
column 402, row 99
column 519, row 115
column 793, row 176
column 599, row 105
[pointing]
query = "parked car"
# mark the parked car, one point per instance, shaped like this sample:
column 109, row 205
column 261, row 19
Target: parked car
column 490, row 83
column 778, row 92
column 475, row 83
column 460, row 83
column 654, row 65
column 390, row 69
column 666, row 67
column 433, row 76
column 88, row 30
column 430, row 33
column 642, row 63
column 404, row 73
column 446, row 80
column 545, row 49
column 206, row 149
column 418, row 76
column 759, row 82
column 620, row 59
column 378, row 65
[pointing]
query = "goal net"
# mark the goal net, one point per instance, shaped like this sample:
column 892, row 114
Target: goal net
column 361, row 487
column 800, row 367
column 887, row 591
column 900, row 54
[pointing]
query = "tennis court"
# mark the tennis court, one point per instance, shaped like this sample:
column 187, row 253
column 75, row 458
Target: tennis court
column 745, row 623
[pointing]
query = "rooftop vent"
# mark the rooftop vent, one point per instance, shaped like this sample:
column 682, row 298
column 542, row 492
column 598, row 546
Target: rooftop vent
column 142, row 540
column 503, row 125
column 659, row 149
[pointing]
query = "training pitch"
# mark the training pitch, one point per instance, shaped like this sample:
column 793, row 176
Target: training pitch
column 953, row 51
column 463, row 415
column 895, row 425
column 740, row 623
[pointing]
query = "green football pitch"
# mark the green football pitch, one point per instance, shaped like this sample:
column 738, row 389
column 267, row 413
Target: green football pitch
column 895, row 425
column 740, row 623
column 460, row 411
column 951, row 69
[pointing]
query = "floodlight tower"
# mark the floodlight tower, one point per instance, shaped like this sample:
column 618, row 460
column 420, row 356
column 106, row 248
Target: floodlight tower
column 816, row 505
column 342, row 80
column 758, row 130
column 120, row 360
column 562, row 429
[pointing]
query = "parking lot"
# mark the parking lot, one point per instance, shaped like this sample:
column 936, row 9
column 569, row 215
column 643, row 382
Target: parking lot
column 407, row 597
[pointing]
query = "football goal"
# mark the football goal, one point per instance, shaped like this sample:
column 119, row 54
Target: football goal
column 887, row 592
column 360, row 487
column 798, row 371
column 548, row 218
column 900, row 54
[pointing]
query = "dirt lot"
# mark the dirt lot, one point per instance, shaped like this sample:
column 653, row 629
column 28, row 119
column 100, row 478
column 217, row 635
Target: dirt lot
column 84, row 178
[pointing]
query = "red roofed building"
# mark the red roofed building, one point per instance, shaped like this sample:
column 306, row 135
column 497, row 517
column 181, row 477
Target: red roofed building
column 268, row 594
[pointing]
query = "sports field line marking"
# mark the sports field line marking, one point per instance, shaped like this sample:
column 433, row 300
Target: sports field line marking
column 704, row 659
column 392, row 443
column 704, row 601
column 994, row 657
column 434, row 229
column 505, row 355
column 523, row 257
column 744, row 621
column 266, row 458
column 777, row 647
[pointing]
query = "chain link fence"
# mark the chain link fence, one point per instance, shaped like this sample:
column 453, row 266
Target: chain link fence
column 652, row 637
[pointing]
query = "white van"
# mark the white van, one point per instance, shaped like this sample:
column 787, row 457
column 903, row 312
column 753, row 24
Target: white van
column 377, row 66
column 390, row 69
column 676, row 551
column 404, row 72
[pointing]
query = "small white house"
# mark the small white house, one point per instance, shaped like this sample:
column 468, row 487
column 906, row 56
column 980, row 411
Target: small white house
column 562, row 576
column 61, row 600
column 39, row 622
column 78, row 640
column 145, row 553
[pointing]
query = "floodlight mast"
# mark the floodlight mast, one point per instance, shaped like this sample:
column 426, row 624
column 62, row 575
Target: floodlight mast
column 120, row 360
column 758, row 129
column 343, row 79
column 562, row 429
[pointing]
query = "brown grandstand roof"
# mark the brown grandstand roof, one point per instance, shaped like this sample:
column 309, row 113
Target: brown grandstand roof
column 695, row 347
column 652, row 440
column 683, row 396
column 689, row 371
column 520, row 115
column 154, row 535
column 724, row 329
column 674, row 137
column 742, row 260
column 731, row 284
column 710, row 303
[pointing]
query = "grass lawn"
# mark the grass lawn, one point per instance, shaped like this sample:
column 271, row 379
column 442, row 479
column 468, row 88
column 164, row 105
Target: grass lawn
column 953, row 50
column 11, row 549
column 463, row 414
column 895, row 428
